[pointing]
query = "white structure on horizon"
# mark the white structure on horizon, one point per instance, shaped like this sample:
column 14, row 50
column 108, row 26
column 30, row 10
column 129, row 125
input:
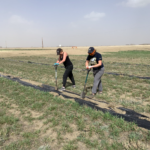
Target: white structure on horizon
column 60, row 45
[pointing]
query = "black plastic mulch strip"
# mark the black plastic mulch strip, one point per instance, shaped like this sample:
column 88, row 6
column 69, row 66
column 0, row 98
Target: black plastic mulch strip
column 128, row 64
column 130, row 116
column 37, row 63
column 119, row 74
column 50, row 88
column 131, row 112
column 112, row 73
column 84, row 62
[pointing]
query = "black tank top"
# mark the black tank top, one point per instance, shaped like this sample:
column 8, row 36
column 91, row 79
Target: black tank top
column 67, row 61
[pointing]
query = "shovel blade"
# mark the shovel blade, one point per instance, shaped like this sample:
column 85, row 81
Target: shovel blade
column 83, row 95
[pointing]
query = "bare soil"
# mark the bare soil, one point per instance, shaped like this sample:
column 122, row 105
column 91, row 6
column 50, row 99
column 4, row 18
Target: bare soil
column 99, row 103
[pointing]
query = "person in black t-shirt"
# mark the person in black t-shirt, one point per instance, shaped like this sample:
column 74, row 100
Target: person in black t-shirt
column 64, row 58
column 95, row 60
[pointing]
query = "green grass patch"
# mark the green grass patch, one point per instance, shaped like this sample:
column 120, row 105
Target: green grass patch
column 38, row 115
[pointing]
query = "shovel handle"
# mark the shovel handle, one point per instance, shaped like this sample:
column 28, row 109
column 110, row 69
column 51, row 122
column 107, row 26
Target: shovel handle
column 88, row 70
column 56, row 76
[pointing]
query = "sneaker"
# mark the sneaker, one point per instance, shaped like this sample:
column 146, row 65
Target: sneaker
column 62, row 89
column 73, row 86
column 100, row 92
column 92, row 95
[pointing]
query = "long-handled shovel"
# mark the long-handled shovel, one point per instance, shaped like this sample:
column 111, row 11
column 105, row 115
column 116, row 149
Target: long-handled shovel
column 56, row 77
column 83, row 92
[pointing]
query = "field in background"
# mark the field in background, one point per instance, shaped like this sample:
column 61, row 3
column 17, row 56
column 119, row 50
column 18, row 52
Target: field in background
column 30, row 118
column 12, row 52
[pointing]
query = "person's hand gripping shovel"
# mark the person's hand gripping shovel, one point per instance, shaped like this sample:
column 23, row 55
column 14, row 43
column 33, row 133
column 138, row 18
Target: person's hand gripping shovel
column 83, row 92
column 56, row 65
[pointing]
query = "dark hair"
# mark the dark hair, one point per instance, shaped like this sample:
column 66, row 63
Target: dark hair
column 58, row 51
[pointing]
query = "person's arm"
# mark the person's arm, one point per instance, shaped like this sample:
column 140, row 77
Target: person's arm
column 64, row 58
column 87, row 64
column 97, row 65
column 58, row 59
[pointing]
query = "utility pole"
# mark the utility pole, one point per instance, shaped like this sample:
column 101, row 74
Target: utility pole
column 42, row 43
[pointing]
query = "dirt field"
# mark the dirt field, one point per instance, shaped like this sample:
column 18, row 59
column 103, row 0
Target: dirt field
column 33, row 119
column 12, row 52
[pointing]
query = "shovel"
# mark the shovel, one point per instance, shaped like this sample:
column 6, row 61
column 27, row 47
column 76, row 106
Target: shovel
column 56, row 77
column 83, row 92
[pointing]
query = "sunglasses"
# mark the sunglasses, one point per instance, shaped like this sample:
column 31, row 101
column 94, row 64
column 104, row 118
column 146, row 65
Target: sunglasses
column 91, row 54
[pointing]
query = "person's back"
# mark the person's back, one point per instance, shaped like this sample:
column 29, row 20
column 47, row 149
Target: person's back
column 67, row 62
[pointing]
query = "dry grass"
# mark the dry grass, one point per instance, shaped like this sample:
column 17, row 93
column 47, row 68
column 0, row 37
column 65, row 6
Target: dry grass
column 13, row 52
column 32, row 118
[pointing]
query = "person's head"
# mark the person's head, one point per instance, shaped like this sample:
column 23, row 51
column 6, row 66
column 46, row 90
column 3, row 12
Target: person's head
column 59, row 51
column 91, row 51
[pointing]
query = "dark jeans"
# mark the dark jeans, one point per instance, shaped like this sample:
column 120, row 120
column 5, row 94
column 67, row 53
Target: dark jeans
column 68, row 73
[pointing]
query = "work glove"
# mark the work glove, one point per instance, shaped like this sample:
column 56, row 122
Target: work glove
column 56, row 64
column 88, row 67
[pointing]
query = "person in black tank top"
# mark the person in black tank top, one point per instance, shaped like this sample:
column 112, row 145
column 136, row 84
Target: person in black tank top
column 64, row 58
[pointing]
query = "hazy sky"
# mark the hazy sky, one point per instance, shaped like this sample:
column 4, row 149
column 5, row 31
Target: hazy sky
column 23, row 23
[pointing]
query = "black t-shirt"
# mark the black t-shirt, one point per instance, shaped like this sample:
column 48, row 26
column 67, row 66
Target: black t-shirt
column 93, row 60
